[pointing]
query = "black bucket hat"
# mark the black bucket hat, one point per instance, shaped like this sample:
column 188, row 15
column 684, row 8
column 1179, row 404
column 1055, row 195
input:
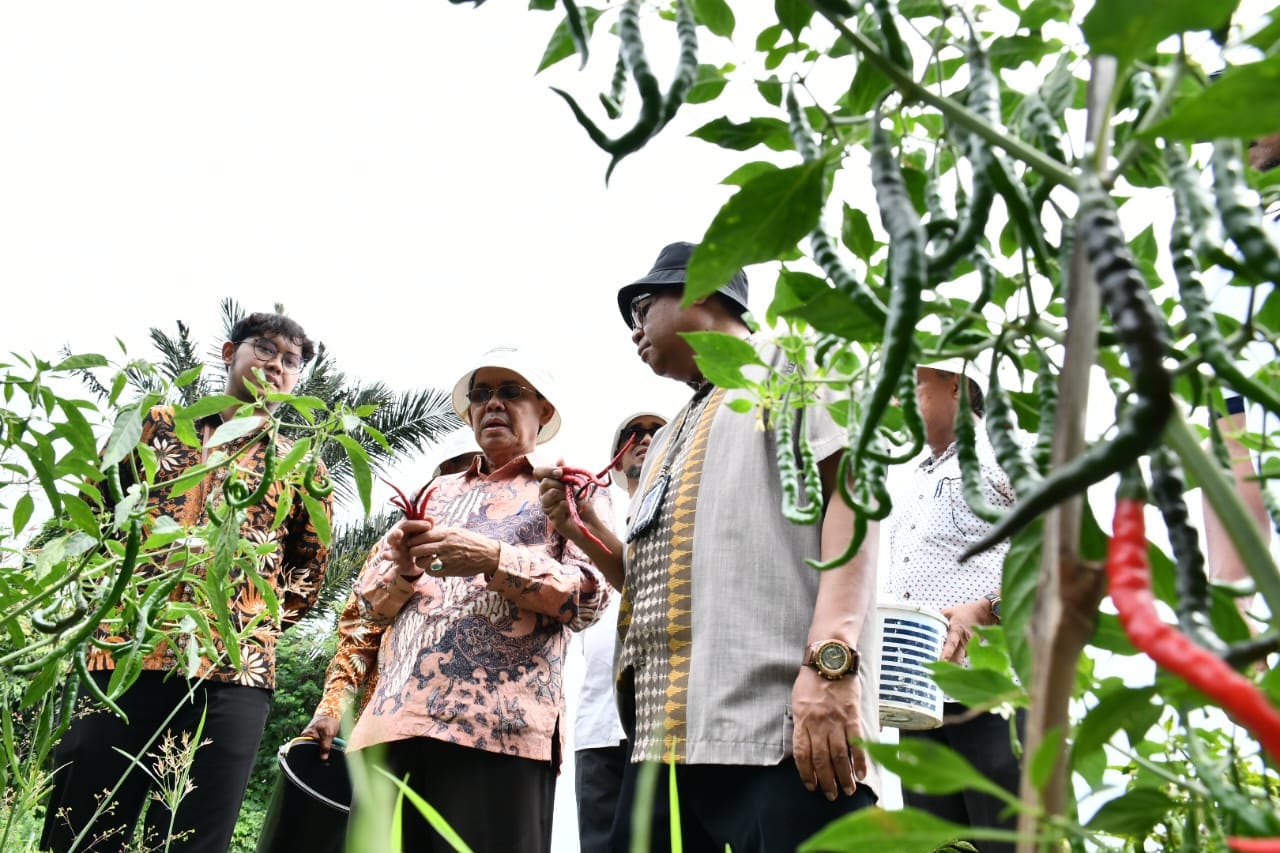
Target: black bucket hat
column 669, row 271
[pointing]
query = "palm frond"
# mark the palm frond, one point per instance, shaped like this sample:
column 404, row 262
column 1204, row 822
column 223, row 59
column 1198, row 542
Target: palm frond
column 351, row 546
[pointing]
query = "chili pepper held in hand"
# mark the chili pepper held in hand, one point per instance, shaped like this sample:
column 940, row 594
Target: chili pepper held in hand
column 578, row 480
column 1129, row 578
column 414, row 510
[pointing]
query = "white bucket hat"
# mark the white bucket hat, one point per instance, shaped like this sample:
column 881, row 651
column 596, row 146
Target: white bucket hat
column 962, row 367
column 530, row 368
column 617, row 436
column 457, row 443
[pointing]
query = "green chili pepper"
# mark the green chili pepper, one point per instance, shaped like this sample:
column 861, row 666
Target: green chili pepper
column 824, row 250
column 82, row 669
column 612, row 101
column 1144, row 335
column 797, row 467
column 967, row 456
column 577, row 30
column 1200, row 317
column 317, row 482
column 1241, row 218
column 1192, row 584
column 1047, row 390
column 906, row 277
column 987, row 276
column 1002, row 431
column 909, row 405
column 238, row 495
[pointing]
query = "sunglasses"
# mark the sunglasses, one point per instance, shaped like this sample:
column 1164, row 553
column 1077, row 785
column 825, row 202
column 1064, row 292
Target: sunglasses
column 505, row 391
column 639, row 432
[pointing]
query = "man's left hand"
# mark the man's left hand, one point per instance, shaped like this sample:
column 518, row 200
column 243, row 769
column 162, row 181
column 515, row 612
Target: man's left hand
column 454, row 552
column 826, row 725
column 961, row 620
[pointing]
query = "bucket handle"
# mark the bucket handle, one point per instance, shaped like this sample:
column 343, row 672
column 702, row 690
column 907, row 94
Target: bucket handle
column 341, row 743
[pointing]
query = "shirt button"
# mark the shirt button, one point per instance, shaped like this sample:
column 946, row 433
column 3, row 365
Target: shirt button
column 913, row 527
column 906, row 595
column 906, row 559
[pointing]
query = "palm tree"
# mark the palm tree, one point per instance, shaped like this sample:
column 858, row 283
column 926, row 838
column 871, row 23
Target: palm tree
column 410, row 421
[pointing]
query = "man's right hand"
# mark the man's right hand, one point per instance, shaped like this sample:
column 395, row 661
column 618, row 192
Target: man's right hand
column 324, row 729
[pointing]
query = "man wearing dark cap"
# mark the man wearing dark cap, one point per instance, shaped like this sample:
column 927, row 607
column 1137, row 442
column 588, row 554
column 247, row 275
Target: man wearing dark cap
column 737, row 661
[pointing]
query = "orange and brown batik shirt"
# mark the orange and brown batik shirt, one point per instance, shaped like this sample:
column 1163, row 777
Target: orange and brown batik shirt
column 473, row 661
column 293, row 569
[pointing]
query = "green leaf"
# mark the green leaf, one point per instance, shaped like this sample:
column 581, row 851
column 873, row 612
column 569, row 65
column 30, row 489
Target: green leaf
column 1040, row 12
column 1042, row 764
column 80, row 362
column 233, row 429
column 905, row 830
column 124, row 436
column 81, row 515
column 806, row 297
column 1128, row 29
column 319, row 518
column 1109, row 636
column 188, row 376
column 207, row 406
column 771, row 132
column 708, row 85
column 856, row 233
column 359, row 467
column 762, row 221
column 932, row 768
column 1240, row 103
column 1018, row 592
column 977, row 688
column 771, row 90
column 746, row 172
column 1134, row 812
column 721, row 357
column 794, row 15
column 561, row 45
column 22, row 511
column 715, row 15
column 1119, row 707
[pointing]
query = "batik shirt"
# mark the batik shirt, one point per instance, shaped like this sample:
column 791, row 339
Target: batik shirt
column 473, row 661
column 718, row 597
column 294, row 568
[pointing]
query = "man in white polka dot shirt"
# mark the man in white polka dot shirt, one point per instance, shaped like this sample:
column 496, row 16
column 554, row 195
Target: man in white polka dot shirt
column 930, row 526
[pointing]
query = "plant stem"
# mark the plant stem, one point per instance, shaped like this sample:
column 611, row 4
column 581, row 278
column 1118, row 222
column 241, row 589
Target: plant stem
column 1042, row 163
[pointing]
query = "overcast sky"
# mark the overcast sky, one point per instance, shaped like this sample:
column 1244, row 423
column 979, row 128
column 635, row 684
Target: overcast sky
column 393, row 173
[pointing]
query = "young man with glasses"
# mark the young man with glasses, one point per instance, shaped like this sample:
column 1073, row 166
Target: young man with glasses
column 230, row 703
column 459, row 624
column 721, row 616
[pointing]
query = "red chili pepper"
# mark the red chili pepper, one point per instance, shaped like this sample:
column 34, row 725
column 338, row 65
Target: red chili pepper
column 414, row 510
column 578, row 480
column 1254, row 845
column 1130, row 582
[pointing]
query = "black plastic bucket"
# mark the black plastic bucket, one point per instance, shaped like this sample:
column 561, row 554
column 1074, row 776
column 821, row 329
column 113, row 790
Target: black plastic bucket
column 310, row 803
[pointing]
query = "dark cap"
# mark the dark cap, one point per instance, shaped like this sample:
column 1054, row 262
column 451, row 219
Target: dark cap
column 669, row 271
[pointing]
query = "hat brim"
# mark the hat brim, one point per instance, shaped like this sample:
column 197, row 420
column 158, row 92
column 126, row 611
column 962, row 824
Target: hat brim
column 500, row 360
column 663, row 279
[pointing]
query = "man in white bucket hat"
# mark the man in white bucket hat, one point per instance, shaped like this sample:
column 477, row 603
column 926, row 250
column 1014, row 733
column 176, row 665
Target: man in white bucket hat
column 931, row 524
column 459, row 623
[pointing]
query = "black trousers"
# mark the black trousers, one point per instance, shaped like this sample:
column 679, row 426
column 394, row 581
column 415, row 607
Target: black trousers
column 985, row 743
column 497, row 803
column 751, row 809
column 89, row 764
column 597, row 783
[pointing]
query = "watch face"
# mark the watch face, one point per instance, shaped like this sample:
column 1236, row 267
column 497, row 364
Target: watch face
column 833, row 658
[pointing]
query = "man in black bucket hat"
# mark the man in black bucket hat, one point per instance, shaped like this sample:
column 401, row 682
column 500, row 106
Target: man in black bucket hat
column 737, row 662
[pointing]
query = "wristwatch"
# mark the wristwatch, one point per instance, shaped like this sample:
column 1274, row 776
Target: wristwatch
column 832, row 659
column 994, row 598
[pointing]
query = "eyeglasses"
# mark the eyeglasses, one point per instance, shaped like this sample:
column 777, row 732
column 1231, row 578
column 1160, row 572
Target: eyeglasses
column 506, row 391
column 640, row 305
column 266, row 351
column 639, row 432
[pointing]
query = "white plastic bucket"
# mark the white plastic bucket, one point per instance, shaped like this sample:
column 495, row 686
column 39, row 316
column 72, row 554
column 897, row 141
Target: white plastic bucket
column 911, row 637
